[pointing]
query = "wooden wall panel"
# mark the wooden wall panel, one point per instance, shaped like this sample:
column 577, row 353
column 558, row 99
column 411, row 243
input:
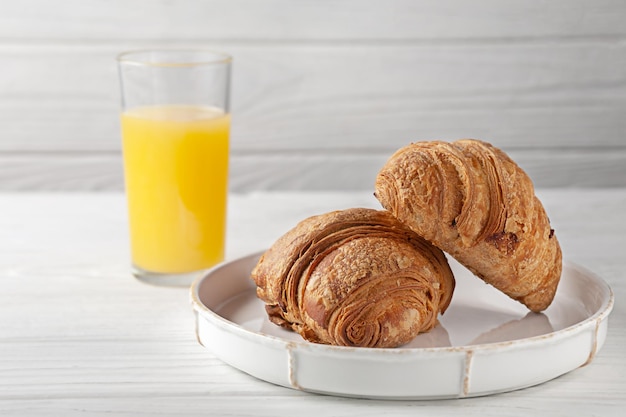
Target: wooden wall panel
column 312, row 20
column 253, row 172
column 319, row 83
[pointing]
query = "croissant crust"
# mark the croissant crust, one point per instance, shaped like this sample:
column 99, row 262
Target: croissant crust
column 471, row 200
column 355, row 277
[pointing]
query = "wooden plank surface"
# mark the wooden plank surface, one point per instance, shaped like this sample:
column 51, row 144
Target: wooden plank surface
column 80, row 20
column 80, row 336
column 316, row 83
column 346, row 97
column 298, row 171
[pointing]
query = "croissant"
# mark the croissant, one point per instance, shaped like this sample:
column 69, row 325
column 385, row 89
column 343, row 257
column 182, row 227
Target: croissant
column 472, row 201
column 356, row 277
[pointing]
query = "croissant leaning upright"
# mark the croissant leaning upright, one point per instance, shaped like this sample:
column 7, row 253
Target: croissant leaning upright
column 355, row 277
column 471, row 200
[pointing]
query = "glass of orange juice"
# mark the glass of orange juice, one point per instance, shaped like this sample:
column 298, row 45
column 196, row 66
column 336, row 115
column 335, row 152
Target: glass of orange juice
column 175, row 139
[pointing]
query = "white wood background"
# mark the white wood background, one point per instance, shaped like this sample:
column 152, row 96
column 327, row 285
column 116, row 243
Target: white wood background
column 324, row 91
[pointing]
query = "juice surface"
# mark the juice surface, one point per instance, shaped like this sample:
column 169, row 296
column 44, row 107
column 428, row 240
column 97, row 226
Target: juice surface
column 176, row 169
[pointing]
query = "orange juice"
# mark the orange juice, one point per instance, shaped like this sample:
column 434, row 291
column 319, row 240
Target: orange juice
column 176, row 169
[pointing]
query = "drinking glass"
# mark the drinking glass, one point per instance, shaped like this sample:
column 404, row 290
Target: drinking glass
column 175, row 142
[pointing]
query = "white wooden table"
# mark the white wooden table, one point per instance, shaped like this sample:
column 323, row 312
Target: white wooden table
column 80, row 336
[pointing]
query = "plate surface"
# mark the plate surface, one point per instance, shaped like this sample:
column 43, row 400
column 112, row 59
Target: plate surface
column 485, row 342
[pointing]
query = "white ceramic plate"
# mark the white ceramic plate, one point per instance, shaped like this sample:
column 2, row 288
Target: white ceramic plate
column 485, row 343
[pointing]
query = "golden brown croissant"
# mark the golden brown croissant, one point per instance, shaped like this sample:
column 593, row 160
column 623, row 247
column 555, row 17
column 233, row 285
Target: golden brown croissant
column 471, row 200
column 356, row 277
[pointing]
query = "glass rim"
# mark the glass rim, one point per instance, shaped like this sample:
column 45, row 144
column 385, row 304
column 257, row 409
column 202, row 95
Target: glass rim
column 206, row 57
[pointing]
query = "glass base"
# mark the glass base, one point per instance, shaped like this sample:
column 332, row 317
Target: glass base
column 184, row 279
